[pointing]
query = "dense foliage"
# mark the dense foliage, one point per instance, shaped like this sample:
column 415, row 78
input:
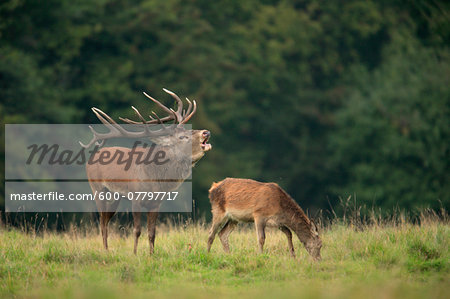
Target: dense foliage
column 326, row 98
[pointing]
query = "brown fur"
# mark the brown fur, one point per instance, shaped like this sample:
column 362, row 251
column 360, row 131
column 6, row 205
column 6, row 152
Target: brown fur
column 112, row 177
column 266, row 204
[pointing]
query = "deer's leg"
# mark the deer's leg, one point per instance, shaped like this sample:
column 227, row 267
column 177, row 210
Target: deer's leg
column 217, row 223
column 260, row 226
column 136, row 229
column 288, row 234
column 225, row 232
column 104, row 220
column 151, row 228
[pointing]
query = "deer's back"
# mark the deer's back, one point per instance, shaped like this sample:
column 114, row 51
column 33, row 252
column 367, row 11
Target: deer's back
column 244, row 199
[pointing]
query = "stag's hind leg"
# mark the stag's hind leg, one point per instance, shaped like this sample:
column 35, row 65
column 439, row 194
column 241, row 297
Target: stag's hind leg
column 225, row 232
column 151, row 228
column 288, row 234
column 104, row 220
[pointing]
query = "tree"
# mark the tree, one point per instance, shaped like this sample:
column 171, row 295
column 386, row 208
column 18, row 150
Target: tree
column 391, row 140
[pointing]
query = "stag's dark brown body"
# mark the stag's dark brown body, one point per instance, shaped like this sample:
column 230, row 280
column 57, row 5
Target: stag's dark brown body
column 266, row 204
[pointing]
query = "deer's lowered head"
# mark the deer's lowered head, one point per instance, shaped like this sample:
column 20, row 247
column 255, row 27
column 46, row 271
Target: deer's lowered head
column 313, row 244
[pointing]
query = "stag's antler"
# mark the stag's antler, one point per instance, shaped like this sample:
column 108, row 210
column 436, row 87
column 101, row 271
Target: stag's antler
column 116, row 131
column 180, row 116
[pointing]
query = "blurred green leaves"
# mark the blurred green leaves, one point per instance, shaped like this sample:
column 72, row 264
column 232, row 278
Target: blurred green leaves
column 326, row 98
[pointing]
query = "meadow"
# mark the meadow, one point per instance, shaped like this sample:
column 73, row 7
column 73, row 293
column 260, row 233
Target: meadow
column 393, row 259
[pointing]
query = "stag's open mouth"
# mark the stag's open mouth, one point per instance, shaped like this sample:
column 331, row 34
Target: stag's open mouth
column 205, row 145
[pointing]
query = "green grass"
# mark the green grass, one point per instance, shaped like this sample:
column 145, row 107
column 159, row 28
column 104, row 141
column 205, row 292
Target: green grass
column 402, row 261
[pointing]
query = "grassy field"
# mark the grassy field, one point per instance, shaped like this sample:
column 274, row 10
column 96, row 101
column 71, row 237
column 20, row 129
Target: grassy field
column 376, row 261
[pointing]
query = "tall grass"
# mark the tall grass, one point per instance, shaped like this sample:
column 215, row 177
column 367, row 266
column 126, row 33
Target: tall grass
column 394, row 257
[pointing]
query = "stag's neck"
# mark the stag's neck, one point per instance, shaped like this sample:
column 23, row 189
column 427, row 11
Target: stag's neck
column 178, row 165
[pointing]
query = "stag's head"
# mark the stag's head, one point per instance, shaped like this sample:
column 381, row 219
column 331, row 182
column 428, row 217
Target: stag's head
column 314, row 243
column 173, row 135
column 193, row 141
column 200, row 144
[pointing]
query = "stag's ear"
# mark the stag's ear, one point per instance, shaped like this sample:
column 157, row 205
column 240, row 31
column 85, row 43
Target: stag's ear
column 314, row 229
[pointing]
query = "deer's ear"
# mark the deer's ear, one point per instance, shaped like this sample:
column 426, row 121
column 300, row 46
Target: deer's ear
column 314, row 229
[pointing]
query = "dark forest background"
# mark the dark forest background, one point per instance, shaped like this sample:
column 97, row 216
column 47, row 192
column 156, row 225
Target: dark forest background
column 326, row 98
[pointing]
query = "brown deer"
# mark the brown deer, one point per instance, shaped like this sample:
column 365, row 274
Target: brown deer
column 183, row 148
column 265, row 204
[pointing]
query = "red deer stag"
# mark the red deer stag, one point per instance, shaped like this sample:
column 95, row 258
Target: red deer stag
column 183, row 148
column 265, row 204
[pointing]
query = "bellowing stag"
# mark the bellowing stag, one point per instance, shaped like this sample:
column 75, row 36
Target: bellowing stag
column 183, row 148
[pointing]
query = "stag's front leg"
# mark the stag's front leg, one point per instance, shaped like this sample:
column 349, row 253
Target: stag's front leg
column 104, row 220
column 137, row 229
column 151, row 228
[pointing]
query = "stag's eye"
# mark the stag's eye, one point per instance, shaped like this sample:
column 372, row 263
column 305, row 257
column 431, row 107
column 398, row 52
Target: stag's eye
column 183, row 137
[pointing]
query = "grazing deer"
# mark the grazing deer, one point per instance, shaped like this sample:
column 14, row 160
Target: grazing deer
column 265, row 204
column 183, row 148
